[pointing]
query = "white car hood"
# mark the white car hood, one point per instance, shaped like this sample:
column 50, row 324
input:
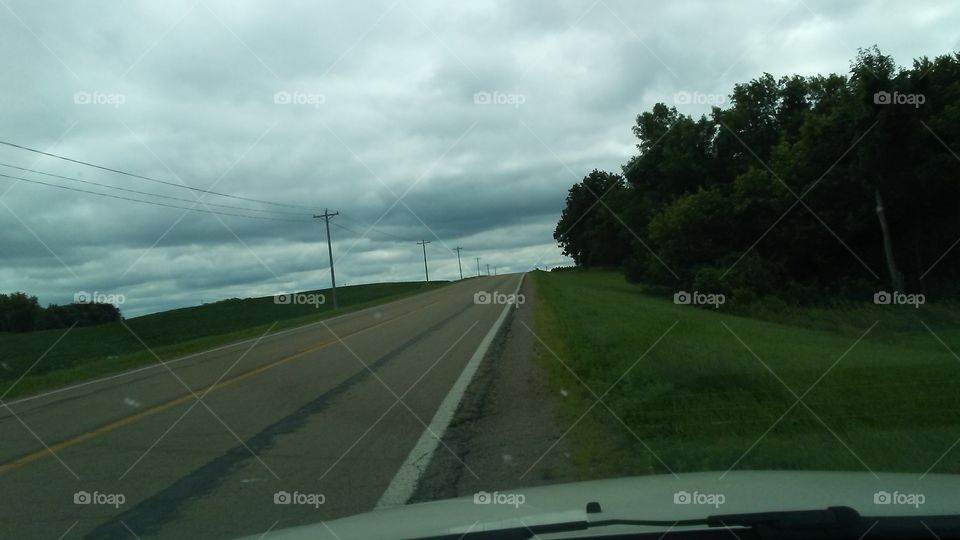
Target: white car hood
column 658, row 497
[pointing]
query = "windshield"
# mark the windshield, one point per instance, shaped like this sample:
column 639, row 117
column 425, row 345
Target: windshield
column 276, row 265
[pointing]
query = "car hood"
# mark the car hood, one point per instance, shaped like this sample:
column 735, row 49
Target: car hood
column 657, row 497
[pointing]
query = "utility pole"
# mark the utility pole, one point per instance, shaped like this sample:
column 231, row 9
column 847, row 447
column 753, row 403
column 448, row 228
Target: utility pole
column 425, row 271
column 458, row 248
column 478, row 266
column 333, row 278
column 488, row 269
column 494, row 270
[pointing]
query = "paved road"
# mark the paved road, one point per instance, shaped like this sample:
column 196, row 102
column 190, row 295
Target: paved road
column 200, row 447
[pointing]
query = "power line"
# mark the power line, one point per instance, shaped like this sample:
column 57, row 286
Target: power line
column 364, row 235
column 134, row 175
column 201, row 210
column 344, row 227
column 371, row 228
column 282, row 212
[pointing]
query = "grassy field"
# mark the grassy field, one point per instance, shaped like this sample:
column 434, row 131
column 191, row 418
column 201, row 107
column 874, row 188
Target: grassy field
column 93, row 351
column 712, row 393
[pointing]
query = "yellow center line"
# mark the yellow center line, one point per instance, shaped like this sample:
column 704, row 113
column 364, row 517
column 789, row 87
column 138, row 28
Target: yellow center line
column 106, row 428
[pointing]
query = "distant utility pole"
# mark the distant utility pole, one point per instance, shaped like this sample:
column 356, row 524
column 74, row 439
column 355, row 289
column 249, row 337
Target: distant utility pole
column 478, row 266
column 494, row 270
column 488, row 269
column 458, row 248
column 425, row 271
column 333, row 278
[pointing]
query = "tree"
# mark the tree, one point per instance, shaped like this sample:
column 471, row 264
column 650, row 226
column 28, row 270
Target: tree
column 694, row 230
column 872, row 155
column 18, row 312
column 872, row 75
column 590, row 231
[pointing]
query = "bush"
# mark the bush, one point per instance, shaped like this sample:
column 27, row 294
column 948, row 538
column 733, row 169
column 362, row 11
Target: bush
column 708, row 279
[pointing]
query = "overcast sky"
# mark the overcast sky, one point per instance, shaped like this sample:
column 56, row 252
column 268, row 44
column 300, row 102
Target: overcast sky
column 462, row 123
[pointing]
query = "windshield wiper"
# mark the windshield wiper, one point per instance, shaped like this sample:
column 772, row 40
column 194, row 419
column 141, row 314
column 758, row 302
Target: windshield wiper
column 834, row 517
column 835, row 522
column 839, row 522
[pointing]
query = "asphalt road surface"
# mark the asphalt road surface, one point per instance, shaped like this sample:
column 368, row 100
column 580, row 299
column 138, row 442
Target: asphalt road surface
column 298, row 427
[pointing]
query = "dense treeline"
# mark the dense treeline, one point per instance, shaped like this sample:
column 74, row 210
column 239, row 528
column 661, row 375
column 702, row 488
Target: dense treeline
column 20, row 312
column 803, row 188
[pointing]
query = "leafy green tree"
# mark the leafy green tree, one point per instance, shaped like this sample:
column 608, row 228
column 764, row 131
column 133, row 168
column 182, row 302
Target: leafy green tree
column 693, row 230
column 18, row 312
column 803, row 187
column 590, row 230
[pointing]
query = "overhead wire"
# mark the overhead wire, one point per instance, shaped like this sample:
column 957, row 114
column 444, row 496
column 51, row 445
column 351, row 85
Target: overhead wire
column 149, row 194
column 201, row 210
column 368, row 229
column 142, row 177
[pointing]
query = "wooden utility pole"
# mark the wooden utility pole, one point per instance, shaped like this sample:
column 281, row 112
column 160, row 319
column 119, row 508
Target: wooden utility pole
column 425, row 270
column 458, row 248
column 333, row 277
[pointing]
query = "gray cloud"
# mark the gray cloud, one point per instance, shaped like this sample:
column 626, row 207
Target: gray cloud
column 386, row 106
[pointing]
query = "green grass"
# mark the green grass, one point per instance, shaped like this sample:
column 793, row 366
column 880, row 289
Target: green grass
column 700, row 399
column 89, row 352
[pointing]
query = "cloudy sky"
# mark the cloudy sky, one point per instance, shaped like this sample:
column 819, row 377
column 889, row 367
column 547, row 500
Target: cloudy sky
column 462, row 123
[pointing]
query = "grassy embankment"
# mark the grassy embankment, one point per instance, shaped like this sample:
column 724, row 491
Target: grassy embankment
column 701, row 400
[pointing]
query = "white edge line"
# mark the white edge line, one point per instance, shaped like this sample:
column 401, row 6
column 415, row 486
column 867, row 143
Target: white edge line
column 405, row 481
column 213, row 350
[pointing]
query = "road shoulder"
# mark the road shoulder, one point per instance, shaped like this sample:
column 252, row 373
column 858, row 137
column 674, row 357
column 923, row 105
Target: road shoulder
column 505, row 432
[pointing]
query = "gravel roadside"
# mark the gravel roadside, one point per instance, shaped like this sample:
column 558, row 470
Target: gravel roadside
column 504, row 434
